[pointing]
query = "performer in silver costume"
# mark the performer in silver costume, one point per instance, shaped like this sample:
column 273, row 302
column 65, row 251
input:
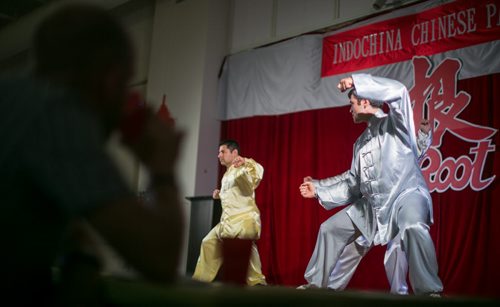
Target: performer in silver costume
column 395, row 263
column 391, row 203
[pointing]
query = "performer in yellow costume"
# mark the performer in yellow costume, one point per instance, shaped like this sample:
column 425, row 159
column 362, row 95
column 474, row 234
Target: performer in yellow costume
column 240, row 216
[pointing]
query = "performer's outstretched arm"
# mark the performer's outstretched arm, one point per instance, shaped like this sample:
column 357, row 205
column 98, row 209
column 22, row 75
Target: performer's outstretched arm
column 380, row 90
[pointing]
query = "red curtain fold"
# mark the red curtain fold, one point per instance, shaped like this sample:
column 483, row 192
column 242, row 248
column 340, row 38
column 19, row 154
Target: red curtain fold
column 319, row 143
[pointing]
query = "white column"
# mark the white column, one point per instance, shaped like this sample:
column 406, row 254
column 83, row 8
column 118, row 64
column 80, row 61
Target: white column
column 188, row 45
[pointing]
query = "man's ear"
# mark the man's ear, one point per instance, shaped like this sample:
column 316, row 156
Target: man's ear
column 365, row 102
column 109, row 81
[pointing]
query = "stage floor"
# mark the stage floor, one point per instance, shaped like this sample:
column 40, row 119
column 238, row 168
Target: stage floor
column 126, row 292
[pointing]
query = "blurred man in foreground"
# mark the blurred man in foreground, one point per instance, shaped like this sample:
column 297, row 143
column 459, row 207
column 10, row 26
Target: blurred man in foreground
column 55, row 170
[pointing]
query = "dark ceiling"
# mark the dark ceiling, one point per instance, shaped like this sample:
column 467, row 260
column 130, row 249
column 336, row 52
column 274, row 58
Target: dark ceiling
column 12, row 10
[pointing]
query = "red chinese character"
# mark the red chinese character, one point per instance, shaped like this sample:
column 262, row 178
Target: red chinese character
column 437, row 90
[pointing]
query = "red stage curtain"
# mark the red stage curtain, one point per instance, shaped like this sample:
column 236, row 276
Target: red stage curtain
column 319, row 143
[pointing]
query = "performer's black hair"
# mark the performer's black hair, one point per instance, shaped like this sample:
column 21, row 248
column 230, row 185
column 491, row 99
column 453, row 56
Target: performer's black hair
column 231, row 144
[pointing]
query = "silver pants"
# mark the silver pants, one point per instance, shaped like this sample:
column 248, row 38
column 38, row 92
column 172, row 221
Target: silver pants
column 396, row 266
column 338, row 252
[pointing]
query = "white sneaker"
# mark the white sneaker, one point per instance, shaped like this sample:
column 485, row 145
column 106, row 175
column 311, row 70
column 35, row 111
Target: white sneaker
column 306, row 286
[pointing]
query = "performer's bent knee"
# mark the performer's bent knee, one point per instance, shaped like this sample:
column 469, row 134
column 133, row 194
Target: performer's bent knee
column 327, row 227
column 413, row 229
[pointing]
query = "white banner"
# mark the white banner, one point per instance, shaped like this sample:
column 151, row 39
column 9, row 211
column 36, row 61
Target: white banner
column 286, row 77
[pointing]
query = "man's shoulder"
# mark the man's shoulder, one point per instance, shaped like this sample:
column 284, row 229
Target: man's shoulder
column 255, row 163
column 14, row 87
column 19, row 81
column 28, row 98
column 21, row 92
column 19, row 107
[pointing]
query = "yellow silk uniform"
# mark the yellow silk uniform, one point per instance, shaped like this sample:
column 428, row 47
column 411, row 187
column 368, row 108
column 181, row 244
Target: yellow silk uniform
column 240, row 219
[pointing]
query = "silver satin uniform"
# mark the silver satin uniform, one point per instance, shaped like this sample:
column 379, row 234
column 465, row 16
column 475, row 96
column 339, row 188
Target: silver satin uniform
column 396, row 266
column 387, row 189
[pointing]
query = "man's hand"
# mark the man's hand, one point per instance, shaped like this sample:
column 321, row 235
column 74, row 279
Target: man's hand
column 215, row 194
column 308, row 179
column 157, row 146
column 238, row 161
column 345, row 84
column 425, row 126
column 307, row 190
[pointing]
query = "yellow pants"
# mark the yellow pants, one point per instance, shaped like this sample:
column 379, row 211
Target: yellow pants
column 210, row 261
